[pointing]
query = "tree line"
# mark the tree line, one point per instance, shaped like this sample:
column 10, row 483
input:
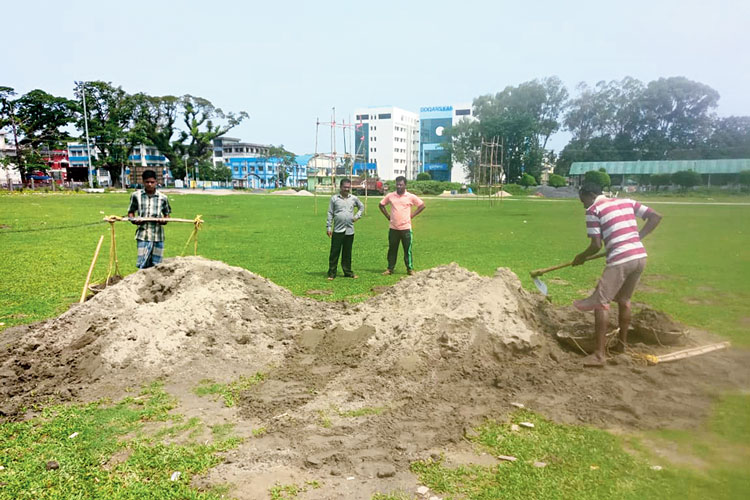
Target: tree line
column 666, row 119
column 182, row 128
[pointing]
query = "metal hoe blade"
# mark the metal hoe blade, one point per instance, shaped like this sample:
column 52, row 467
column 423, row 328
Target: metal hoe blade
column 541, row 285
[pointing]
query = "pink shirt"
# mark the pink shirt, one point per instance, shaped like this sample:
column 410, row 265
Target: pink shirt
column 401, row 208
column 614, row 221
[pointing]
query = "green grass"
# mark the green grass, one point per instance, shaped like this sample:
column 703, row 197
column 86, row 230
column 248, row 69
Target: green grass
column 88, row 466
column 699, row 271
column 291, row 491
column 699, row 253
column 229, row 392
column 361, row 412
column 587, row 463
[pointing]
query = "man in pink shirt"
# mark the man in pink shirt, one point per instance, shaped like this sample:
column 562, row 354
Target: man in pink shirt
column 400, row 227
column 613, row 221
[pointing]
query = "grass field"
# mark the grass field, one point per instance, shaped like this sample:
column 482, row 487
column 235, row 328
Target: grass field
column 699, row 271
column 699, row 265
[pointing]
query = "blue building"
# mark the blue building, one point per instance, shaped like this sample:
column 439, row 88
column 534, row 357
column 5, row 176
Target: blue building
column 263, row 173
column 434, row 122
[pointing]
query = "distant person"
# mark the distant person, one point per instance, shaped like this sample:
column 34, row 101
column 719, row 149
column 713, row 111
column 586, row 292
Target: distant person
column 613, row 221
column 400, row 223
column 340, row 228
column 148, row 202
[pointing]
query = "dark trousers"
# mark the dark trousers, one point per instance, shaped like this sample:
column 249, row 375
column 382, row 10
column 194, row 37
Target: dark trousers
column 402, row 236
column 341, row 243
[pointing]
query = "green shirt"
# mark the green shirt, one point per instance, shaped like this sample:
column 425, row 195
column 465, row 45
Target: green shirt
column 143, row 205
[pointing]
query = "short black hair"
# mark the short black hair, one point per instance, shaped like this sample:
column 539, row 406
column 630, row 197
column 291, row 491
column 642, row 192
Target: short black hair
column 344, row 181
column 148, row 174
column 401, row 178
column 590, row 188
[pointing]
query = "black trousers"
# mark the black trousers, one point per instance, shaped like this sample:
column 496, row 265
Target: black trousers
column 402, row 236
column 341, row 243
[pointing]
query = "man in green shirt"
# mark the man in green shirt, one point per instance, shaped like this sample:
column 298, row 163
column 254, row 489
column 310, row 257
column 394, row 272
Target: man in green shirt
column 148, row 202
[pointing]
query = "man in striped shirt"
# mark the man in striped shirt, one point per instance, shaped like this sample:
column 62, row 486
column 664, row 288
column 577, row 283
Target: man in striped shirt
column 613, row 221
column 148, row 202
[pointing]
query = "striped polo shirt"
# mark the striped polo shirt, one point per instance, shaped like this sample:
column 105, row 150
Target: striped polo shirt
column 614, row 220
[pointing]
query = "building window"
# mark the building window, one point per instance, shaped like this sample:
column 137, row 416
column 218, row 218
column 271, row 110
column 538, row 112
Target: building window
column 384, row 116
column 463, row 112
column 362, row 117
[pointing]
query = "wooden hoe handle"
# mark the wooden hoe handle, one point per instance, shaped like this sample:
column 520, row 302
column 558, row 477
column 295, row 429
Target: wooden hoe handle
column 539, row 272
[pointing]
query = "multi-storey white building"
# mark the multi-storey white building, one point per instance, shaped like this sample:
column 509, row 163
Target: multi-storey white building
column 387, row 137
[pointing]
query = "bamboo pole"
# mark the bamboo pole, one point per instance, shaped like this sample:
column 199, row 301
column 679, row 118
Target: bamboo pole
column 116, row 218
column 91, row 269
column 686, row 353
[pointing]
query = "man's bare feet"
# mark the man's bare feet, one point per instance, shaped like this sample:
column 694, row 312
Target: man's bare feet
column 594, row 360
column 619, row 347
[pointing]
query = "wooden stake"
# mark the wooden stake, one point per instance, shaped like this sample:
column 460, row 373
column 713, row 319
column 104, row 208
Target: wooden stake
column 91, row 269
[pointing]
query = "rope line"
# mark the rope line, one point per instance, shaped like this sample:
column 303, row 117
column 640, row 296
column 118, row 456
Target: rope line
column 3, row 231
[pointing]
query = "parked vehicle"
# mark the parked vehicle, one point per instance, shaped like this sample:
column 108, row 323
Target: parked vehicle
column 374, row 186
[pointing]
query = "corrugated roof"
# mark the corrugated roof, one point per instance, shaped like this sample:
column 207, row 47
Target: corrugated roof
column 662, row 167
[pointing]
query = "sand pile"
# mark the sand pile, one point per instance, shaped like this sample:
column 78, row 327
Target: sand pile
column 186, row 314
column 434, row 354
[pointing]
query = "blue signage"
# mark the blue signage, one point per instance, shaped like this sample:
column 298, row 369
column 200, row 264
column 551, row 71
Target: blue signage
column 428, row 109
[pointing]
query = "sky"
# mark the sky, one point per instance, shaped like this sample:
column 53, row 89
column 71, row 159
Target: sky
column 288, row 63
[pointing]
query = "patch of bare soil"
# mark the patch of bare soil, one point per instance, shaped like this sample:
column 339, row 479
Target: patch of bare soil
column 354, row 392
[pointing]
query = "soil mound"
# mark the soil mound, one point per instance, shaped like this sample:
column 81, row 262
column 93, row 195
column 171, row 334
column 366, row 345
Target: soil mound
column 352, row 387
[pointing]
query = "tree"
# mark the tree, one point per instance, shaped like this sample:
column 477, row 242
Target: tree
column 557, row 181
column 463, row 146
column 744, row 178
column 36, row 120
column 687, row 179
column 669, row 118
column 659, row 180
column 214, row 172
column 157, row 118
column 598, row 177
column 523, row 118
column 424, row 176
column 8, row 119
column 527, row 180
column 286, row 160
column 111, row 116
column 730, row 138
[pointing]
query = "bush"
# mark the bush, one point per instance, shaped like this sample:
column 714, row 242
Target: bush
column 527, row 180
column 557, row 181
column 687, row 178
column 744, row 178
column 424, row 176
column 597, row 177
column 425, row 187
column 658, row 180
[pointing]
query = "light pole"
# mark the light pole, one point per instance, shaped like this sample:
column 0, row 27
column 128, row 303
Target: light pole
column 196, row 173
column 187, row 174
column 86, row 127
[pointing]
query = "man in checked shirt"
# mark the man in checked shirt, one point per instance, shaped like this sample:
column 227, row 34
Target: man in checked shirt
column 340, row 228
column 148, row 202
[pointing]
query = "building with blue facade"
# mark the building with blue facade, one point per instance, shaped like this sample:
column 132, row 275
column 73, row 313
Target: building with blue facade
column 78, row 167
column 434, row 122
column 251, row 167
column 263, row 173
